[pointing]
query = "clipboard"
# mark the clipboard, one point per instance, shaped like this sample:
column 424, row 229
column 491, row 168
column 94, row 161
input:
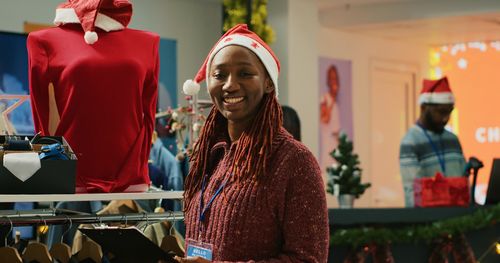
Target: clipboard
column 129, row 245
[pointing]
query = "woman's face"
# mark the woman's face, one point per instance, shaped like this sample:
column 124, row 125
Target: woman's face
column 333, row 82
column 237, row 82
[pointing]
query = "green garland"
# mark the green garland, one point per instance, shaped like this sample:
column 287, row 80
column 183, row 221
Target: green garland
column 236, row 13
column 481, row 218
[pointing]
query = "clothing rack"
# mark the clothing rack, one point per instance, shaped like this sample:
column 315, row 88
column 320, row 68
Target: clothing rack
column 90, row 197
column 20, row 220
column 58, row 217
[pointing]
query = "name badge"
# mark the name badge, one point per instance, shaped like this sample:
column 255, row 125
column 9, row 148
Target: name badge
column 199, row 249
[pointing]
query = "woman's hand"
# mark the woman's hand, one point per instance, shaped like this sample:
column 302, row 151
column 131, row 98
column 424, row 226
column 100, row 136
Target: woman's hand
column 192, row 260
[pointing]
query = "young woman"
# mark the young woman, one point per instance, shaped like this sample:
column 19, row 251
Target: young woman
column 253, row 194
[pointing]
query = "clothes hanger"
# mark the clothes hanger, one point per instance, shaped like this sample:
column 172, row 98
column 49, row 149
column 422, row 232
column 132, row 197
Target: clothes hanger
column 90, row 250
column 37, row 252
column 9, row 254
column 61, row 251
column 124, row 206
column 169, row 242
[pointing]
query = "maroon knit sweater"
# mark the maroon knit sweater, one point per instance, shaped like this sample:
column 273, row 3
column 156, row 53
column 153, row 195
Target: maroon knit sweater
column 283, row 218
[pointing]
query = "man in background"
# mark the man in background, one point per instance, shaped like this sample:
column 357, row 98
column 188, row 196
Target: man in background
column 427, row 147
column 291, row 121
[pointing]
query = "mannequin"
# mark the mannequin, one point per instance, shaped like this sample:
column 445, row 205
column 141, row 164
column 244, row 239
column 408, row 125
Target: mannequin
column 94, row 81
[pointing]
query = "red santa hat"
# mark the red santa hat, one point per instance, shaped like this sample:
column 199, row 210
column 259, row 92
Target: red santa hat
column 239, row 35
column 108, row 15
column 436, row 92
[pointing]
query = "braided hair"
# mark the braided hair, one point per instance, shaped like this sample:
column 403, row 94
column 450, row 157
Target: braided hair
column 251, row 154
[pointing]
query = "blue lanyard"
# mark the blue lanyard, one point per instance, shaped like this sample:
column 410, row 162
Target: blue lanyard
column 204, row 209
column 440, row 154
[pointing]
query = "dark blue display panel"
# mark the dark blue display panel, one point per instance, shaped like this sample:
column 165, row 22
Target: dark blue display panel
column 14, row 80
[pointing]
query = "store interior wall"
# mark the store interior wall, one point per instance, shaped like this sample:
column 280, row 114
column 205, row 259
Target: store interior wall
column 399, row 31
column 362, row 51
column 301, row 38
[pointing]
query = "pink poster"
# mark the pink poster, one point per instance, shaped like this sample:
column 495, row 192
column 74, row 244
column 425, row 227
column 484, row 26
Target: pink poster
column 335, row 84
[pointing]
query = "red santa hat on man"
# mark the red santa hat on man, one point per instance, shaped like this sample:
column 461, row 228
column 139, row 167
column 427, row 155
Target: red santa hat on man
column 239, row 35
column 436, row 92
column 108, row 15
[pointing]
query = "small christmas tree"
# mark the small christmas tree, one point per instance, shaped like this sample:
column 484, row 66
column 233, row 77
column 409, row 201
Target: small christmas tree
column 344, row 176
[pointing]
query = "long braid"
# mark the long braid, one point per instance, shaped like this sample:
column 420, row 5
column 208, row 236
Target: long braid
column 251, row 154
column 199, row 157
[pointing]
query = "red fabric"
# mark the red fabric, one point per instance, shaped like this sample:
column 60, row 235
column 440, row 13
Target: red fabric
column 119, row 10
column 441, row 191
column 283, row 218
column 436, row 86
column 240, row 29
column 106, row 97
column 86, row 10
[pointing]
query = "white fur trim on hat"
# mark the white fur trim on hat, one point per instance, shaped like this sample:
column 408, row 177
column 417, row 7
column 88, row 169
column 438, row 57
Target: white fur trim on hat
column 104, row 22
column 262, row 53
column 190, row 87
column 107, row 23
column 436, row 98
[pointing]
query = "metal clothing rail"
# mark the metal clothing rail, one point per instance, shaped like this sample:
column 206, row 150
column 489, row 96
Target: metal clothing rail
column 90, row 197
column 20, row 220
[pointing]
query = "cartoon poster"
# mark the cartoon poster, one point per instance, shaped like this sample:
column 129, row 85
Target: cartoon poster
column 335, row 84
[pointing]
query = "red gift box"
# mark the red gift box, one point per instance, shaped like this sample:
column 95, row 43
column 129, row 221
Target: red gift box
column 441, row 191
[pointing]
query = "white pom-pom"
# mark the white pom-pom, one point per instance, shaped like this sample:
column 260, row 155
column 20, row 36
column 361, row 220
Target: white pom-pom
column 190, row 87
column 90, row 37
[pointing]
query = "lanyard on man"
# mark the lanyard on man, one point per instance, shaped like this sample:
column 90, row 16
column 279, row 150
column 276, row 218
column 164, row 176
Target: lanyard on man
column 439, row 151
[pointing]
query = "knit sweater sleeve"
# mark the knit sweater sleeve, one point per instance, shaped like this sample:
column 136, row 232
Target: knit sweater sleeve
column 409, row 168
column 39, row 83
column 304, row 217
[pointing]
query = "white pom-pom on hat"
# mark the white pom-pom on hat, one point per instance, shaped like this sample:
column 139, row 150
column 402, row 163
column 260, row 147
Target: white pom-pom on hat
column 90, row 37
column 190, row 87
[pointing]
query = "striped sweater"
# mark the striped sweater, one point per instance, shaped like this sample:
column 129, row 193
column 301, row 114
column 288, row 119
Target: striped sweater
column 418, row 159
column 283, row 218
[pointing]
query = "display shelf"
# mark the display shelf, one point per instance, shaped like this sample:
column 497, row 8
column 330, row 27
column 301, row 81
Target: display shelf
column 90, row 197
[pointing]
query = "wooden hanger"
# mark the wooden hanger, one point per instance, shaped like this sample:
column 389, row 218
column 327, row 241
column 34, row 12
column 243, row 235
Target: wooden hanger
column 60, row 251
column 169, row 242
column 37, row 252
column 90, row 250
column 122, row 206
column 9, row 254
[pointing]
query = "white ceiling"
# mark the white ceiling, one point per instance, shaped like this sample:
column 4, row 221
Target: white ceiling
column 432, row 22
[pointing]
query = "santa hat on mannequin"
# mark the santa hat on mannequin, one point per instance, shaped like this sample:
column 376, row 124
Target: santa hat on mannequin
column 239, row 35
column 108, row 15
column 436, row 92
